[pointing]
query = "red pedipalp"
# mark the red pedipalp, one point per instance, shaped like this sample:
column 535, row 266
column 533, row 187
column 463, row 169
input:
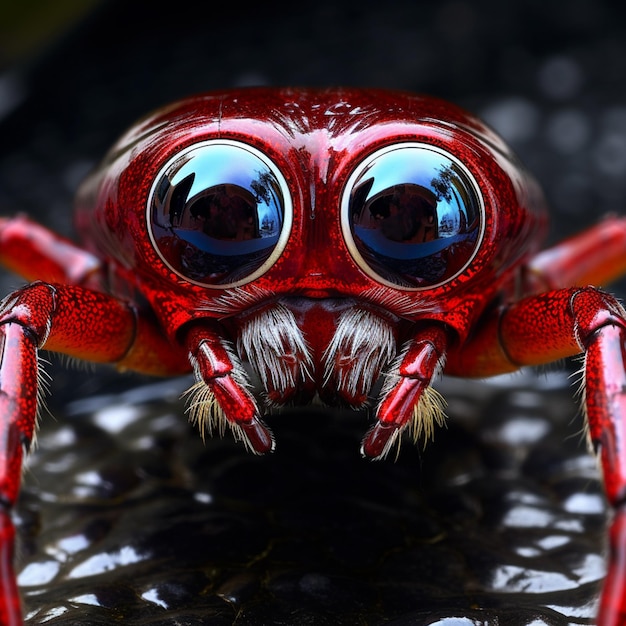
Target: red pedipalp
column 399, row 405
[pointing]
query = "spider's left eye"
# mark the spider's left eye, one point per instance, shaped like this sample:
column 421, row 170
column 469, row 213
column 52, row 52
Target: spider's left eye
column 412, row 216
column 219, row 213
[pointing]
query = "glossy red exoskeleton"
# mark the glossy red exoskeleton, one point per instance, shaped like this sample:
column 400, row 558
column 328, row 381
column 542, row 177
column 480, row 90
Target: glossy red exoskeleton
column 290, row 244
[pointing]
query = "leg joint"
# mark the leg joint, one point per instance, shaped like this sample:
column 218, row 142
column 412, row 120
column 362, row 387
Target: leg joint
column 32, row 307
column 593, row 309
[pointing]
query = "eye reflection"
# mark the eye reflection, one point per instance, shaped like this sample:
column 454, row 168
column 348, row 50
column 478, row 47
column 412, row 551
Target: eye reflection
column 219, row 213
column 412, row 216
column 403, row 213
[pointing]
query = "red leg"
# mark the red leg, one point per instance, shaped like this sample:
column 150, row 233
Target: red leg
column 593, row 257
column 36, row 253
column 18, row 408
column 605, row 395
column 10, row 613
column 81, row 323
column 407, row 381
column 563, row 323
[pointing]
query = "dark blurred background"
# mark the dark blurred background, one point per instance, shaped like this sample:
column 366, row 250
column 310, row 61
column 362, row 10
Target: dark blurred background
column 126, row 516
column 548, row 75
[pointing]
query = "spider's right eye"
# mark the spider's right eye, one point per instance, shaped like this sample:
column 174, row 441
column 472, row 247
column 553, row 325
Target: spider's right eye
column 219, row 214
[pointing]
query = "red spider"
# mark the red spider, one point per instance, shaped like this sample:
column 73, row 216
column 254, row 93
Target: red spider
column 289, row 244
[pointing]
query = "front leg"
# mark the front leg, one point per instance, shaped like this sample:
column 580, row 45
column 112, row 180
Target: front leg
column 27, row 320
column 83, row 324
column 603, row 333
column 550, row 326
column 18, row 408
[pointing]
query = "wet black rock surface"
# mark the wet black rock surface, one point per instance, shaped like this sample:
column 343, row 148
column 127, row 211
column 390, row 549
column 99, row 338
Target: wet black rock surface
column 127, row 517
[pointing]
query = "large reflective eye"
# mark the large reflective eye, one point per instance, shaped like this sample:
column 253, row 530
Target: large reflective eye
column 412, row 216
column 219, row 213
